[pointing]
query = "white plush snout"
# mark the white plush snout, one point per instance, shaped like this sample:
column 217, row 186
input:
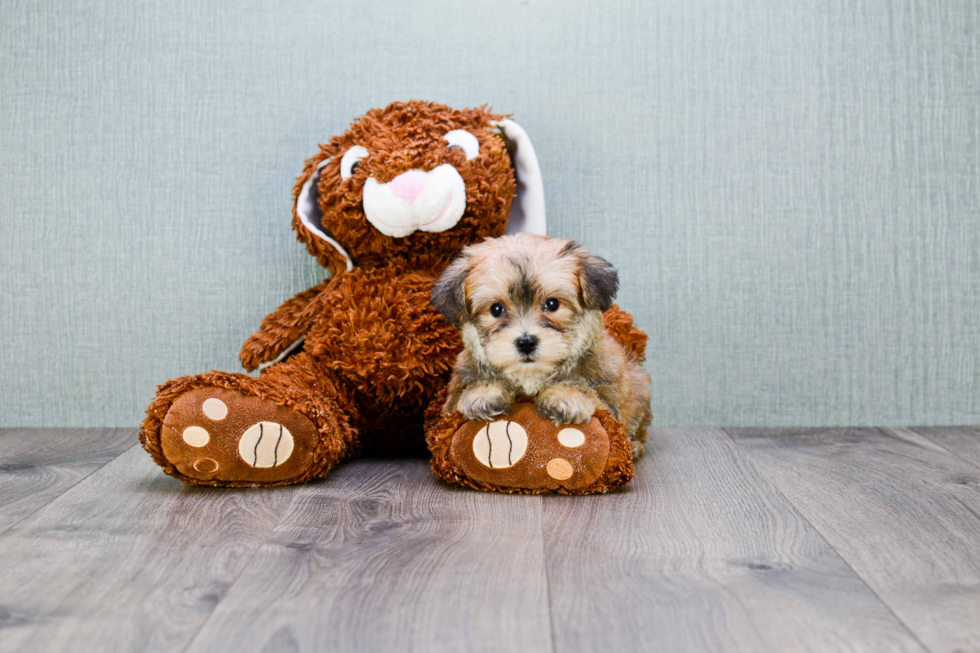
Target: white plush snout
column 416, row 200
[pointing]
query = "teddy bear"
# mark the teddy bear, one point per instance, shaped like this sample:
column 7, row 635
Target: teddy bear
column 360, row 362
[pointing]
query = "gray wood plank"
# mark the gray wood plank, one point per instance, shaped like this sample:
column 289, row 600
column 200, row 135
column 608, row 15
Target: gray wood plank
column 38, row 465
column 960, row 441
column 127, row 560
column 902, row 511
column 383, row 557
column 701, row 553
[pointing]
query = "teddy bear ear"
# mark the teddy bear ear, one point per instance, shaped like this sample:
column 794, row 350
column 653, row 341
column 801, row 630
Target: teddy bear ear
column 527, row 210
column 308, row 212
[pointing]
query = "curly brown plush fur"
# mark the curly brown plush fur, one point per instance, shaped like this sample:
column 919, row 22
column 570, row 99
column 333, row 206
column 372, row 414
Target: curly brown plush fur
column 298, row 383
column 367, row 352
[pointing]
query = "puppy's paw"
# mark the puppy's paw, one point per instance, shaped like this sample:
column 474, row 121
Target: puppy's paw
column 565, row 405
column 484, row 402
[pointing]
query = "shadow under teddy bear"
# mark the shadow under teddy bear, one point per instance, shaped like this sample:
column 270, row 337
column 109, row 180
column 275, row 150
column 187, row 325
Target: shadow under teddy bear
column 357, row 363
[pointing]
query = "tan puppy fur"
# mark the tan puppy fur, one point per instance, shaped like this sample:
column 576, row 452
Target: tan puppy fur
column 530, row 312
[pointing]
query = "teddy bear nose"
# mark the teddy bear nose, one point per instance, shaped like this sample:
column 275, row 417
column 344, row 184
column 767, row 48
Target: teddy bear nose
column 409, row 185
column 526, row 344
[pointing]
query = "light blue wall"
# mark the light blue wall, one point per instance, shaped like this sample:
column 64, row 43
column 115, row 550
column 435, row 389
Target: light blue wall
column 790, row 190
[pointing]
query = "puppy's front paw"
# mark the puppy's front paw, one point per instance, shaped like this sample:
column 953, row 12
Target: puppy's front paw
column 483, row 403
column 565, row 405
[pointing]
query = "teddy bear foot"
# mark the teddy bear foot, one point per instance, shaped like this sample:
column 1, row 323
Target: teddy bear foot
column 522, row 452
column 215, row 436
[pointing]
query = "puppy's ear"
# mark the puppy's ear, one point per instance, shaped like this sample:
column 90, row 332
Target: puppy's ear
column 598, row 280
column 449, row 291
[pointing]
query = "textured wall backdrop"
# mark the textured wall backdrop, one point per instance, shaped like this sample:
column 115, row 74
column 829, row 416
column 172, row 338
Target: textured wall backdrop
column 791, row 190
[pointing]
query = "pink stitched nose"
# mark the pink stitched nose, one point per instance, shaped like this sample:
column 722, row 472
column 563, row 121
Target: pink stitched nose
column 409, row 185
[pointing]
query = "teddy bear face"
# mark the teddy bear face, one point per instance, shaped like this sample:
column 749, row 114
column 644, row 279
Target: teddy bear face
column 414, row 180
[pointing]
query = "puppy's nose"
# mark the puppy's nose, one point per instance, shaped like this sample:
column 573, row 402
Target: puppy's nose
column 526, row 344
column 409, row 185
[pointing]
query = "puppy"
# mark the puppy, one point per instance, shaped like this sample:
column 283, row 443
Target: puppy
column 530, row 312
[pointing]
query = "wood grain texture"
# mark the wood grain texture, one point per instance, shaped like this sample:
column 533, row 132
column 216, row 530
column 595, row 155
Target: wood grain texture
column 701, row 553
column 383, row 557
column 771, row 540
column 127, row 560
column 901, row 510
column 960, row 441
column 38, row 465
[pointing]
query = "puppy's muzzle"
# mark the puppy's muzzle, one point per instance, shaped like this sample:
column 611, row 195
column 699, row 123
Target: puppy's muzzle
column 526, row 344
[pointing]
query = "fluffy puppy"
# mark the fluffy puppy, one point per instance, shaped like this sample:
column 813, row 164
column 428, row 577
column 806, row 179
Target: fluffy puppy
column 530, row 312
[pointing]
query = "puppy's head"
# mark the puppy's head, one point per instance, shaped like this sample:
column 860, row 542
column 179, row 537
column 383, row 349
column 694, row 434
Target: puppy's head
column 526, row 304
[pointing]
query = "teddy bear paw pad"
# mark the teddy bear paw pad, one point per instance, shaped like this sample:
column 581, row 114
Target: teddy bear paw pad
column 523, row 450
column 500, row 444
column 266, row 444
column 219, row 435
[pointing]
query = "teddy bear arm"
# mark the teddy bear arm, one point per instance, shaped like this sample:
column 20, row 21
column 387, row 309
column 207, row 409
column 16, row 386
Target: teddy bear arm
column 282, row 328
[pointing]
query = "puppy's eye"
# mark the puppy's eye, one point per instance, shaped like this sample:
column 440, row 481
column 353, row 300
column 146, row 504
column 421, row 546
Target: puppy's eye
column 462, row 139
column 551, row 304
column 497, row 310
column 351, row 160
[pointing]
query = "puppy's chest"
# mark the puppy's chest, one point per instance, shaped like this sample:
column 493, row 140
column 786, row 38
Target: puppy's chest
column 527, row 387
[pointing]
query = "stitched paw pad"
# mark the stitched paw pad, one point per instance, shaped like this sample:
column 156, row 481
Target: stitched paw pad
column 214, row 434
column 524, row 450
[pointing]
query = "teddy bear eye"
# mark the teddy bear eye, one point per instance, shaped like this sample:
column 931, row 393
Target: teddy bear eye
column 551, row 304
column 497, row 310
column 465, row 141
column 350, row 160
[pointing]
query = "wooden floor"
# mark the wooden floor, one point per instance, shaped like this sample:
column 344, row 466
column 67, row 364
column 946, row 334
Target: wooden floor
column 743, row 540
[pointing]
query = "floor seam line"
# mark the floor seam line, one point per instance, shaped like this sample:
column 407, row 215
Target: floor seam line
column 918, row 432
column 245, row 566
column 8, row 527
column 547, row 579
column 840, row 556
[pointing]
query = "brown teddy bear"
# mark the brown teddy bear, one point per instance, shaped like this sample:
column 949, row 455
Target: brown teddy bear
column 352, row 364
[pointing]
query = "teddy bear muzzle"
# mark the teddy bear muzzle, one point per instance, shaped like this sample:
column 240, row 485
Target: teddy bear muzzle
column 416, row 200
